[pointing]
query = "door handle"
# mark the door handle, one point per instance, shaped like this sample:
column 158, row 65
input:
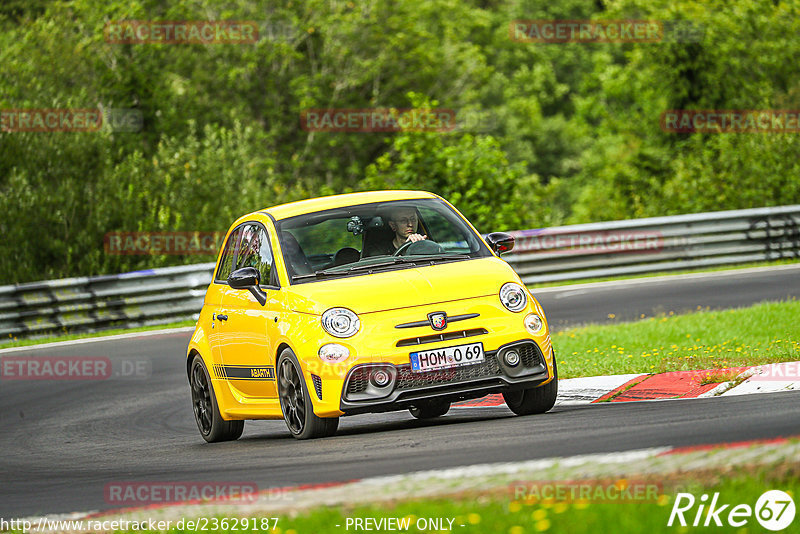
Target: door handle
column 222, row 317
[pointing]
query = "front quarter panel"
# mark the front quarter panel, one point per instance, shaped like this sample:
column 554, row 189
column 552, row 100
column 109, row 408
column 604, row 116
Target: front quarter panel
column 302, row 332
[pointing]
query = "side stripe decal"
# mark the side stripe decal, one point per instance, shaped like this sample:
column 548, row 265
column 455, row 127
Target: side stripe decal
column 244, row 372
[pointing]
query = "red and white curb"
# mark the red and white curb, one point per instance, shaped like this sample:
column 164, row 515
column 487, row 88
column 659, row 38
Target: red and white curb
column 768, row 378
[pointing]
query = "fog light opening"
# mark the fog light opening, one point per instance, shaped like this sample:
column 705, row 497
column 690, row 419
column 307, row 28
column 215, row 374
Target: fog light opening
column 511, row 358
column 380, row 378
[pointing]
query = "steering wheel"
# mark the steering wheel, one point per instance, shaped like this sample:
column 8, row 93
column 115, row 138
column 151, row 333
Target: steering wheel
column 403, row 250
column 434, row 248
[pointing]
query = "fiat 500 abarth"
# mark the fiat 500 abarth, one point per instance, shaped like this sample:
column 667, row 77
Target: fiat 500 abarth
column 365, row 302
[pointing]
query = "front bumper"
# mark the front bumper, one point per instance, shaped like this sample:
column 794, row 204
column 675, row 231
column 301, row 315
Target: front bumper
column 493, row 375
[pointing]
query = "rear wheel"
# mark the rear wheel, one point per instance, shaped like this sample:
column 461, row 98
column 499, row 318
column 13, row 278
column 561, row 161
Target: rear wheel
column 298, row 412
column 430, row 409
column 206, row 412
column 535, row 400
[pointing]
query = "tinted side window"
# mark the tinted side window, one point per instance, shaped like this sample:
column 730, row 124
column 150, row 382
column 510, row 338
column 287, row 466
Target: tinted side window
column 226, row 264
column 256, row 252
column 441, row 229
column 320, row 242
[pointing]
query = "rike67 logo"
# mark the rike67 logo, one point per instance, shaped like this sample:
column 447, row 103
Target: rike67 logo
column 774, row 510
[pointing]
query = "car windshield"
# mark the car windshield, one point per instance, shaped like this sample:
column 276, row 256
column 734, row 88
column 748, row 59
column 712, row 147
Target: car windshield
column 358, row 240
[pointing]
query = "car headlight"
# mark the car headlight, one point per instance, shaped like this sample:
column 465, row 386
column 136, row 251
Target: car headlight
column 513, row 297
column 340, row 322
column 333, row 353
column 533, row 323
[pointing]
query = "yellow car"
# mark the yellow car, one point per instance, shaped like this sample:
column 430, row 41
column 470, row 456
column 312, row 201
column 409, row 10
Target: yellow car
column 365, row 302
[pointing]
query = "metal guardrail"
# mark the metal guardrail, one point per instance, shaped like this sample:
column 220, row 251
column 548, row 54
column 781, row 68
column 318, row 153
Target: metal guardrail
column 141, row 298
column 656, row 244
column 575, row 252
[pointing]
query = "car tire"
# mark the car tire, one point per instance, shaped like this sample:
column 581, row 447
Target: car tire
column 209, row 421
column 430, row 409
column 534, row 400
column 298, row 412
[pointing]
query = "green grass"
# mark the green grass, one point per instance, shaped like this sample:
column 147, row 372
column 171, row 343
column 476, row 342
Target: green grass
column 785, row 261
column 498, row 512
column 501, row 514
column 763, row 333
column 12, row 341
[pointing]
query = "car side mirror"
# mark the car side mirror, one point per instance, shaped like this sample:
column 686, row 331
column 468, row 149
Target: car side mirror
column 248, row 278
column 500, row 242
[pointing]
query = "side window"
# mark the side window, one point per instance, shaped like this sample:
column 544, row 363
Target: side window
column 256, row 252
column 226, row 265
column 320, row 242
column 444, row 231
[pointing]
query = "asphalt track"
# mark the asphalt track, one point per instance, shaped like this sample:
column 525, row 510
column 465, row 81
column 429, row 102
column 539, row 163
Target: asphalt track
column 63, row 441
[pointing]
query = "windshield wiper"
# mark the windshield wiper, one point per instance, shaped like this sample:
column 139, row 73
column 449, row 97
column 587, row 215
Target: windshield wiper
column 339, row 272
column 438, row 257
column 317, row 274
column 395, row 260
column 390, row 261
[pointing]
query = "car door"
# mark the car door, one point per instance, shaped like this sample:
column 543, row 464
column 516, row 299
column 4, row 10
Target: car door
column 213, row 301
column 247, row 327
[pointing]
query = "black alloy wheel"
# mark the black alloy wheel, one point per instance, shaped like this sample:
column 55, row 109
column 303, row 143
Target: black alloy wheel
column 212, row 426
column 298, row 412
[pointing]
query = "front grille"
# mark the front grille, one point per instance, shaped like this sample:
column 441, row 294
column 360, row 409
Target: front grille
column 445, row 336
column 359, row 379
column 530, row 354
column 358, row 386
column 407, row 379
column 317, row 385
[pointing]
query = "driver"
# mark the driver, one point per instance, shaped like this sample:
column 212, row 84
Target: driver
column 403, row 222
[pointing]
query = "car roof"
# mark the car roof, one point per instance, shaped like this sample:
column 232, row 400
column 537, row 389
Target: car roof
column 310, row 205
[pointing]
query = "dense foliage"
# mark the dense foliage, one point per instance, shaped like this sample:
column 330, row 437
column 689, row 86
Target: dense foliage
column 558, row 133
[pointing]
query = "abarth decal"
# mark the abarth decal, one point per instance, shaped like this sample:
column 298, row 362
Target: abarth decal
column 244, row 372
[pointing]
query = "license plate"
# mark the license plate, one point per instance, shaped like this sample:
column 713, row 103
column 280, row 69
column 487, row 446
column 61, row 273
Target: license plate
column 432, row 360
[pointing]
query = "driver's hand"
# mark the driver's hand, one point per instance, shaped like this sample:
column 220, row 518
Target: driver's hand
column 416, row 237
